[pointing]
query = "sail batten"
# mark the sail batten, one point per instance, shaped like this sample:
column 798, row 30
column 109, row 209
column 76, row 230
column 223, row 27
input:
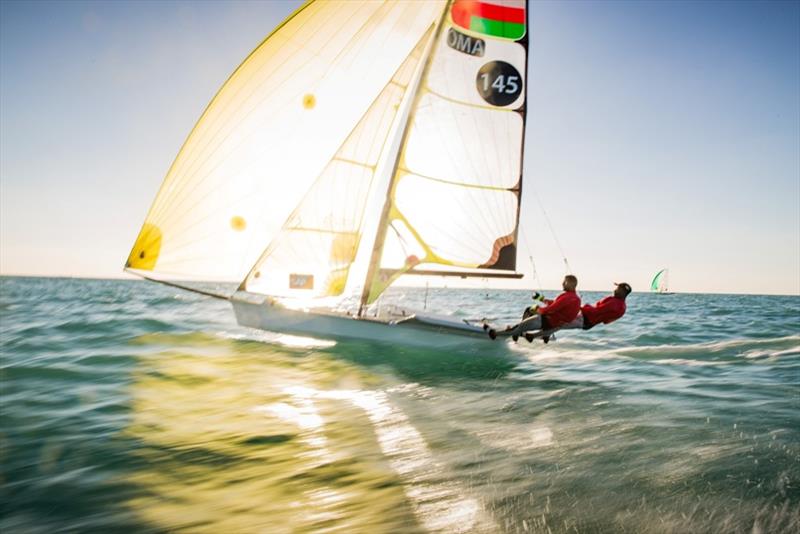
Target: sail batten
column 469, row 104
column 353, row 162
column 457, row 183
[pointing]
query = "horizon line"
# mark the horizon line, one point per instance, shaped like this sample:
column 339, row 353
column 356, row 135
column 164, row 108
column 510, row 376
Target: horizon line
column 132, row 278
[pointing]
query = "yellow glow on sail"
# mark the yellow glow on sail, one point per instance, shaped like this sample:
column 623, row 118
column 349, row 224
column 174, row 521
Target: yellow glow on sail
column 146, row 248
column 336, row 282
column 343, row 249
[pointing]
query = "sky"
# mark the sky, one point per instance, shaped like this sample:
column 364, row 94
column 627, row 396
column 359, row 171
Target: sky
column 660, row 134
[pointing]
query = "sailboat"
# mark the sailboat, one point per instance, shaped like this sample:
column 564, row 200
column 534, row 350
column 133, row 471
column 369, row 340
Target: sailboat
column 660, row 283
column 359, row 143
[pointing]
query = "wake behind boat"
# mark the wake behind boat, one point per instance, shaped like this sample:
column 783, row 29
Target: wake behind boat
column 361, row 142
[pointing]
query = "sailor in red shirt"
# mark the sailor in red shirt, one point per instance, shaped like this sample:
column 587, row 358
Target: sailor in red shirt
column 606, row 310
column 554, row 314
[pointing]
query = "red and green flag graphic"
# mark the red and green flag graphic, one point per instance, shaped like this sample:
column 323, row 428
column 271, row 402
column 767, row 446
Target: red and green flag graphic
column 498, row 18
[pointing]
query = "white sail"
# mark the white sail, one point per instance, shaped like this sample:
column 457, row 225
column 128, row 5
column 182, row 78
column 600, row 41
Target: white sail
column 312, row 254
column 271, row 132
column 454, row 198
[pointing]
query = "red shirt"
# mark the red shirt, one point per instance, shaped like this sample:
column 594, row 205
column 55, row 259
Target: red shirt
column 606, row 311
column 562, row 310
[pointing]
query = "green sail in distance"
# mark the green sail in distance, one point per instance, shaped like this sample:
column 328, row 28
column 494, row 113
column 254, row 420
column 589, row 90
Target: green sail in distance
column 657, row 280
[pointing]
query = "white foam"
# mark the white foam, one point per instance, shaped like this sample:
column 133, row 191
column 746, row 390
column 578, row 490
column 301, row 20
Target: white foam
column 689, row 363
column 516, row 438
column 753, row 354
column 305, row 416
column 286, row 340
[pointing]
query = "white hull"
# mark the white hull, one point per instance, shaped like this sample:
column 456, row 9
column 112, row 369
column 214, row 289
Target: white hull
column 429, row 331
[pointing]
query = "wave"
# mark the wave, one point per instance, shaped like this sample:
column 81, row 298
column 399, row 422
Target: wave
column 732, row 349
column 698, row 354
column 285, row 340
column 104, row 327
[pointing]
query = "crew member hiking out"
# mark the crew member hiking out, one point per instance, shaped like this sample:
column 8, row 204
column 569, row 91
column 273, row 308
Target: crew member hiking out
column 554, row 314
column 606, row 310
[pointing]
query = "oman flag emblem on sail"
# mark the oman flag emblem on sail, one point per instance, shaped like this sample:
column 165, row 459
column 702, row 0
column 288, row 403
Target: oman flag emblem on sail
column 497, row 18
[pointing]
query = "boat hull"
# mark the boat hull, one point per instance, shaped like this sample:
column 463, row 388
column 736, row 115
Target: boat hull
column 429, row 331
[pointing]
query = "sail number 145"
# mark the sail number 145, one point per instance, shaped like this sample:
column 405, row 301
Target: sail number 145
column 499, row 83
column 510, row 86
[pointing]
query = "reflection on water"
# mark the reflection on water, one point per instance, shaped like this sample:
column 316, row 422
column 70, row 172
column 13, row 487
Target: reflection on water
column 246, row 437
column 237, row 435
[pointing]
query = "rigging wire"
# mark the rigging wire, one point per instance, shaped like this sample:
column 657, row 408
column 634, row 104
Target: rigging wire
column 530, row 257
column 552, row 232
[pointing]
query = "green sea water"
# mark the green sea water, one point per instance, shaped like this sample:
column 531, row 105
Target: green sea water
column 129, row 406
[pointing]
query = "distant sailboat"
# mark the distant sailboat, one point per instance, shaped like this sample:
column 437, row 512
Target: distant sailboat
column 660, row 283
column 360, row 142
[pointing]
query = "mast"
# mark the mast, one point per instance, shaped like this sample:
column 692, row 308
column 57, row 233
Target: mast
column 382, row 229
column 524, row 113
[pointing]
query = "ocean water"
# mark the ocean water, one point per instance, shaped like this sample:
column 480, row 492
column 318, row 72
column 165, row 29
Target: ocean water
column 129, row 406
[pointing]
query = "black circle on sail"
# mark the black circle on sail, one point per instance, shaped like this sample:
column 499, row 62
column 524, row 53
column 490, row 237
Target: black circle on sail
column 499, row 83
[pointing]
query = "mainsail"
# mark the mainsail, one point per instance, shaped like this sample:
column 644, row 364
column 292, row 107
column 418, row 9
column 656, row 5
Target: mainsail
column 454, row 196
column 378, row 138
